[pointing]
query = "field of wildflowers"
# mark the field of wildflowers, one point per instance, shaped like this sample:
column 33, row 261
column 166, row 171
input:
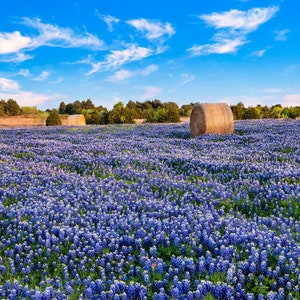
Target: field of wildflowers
column 146, row 212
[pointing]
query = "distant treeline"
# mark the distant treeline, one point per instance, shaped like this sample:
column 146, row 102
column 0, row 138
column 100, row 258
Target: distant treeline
column 151, row 111
column 240, row 112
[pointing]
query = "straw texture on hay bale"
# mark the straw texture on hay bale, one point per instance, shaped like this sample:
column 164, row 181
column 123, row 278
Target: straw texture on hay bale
column 211, row 118
column 76, row 120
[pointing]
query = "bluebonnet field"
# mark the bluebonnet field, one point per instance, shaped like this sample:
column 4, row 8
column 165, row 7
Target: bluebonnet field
column 146, row 212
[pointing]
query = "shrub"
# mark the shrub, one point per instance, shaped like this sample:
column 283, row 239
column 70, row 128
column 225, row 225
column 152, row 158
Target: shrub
column 53, row 119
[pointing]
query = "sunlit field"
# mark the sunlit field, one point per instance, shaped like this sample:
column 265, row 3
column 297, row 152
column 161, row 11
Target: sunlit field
column 146, row 212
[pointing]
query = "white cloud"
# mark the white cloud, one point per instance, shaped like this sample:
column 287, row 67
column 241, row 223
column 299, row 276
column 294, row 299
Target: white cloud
column 117, row 58
column 151, row 91
column 237, row 19
column 259, row 53
column 8, row 85
column 54, row 36
column 58, row 80
column 25, row 98
column 273, row 90
column 292, row 100
column 121, row 75
column 14, row 44
column 44, row 75
column 133, row 53
column 109, row 20
column 125, row 74
column 186, row 78
column 150, row 69
column 15, row 57
column 223, row 46
column 10, row 89
column 24, row 72
column 281, row 35
column 232, row 29
column 152, row 29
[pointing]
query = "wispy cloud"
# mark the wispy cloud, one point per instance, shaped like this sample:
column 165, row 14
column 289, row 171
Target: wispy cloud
column 44, row 75
column 8, row 85
column 117, row 58
column 10, row 89
column 15, row 57
column 24, row 72
column 121, row 75
column 25, row 98
column 54, row 36
column 153, row 29
column 273, row 90
column 155, row 33
column 292, row 100
column 151, row 91
column 125, row 74
column 281, row 35
column 232, row 29
column 58, row 80
column 14, row 45
column 11, row 42
column 242, row 20
column 222, row 46
column 147, row 71
column 109, row 20
column 259, row 53
column 186, row 78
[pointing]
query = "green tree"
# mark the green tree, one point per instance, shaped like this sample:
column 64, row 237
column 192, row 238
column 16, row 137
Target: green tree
column 156, row 104
column 265, row 112
column 2, row 108
column 70, row 109
column 172, row 113
column 159, row 115
column 238, row 111
column 88, row 104
column 29, row 110
column 62, row 108
column 12, row 108
column 53, row 118
column 120, row 115
column 250, row 113
column 78, row 106
column 285, row 113
column 104, row 116
column 149, row 115
column 133, row 110
column 115, row 115
column 276, row 111
column 294, row 112
column 186, row 110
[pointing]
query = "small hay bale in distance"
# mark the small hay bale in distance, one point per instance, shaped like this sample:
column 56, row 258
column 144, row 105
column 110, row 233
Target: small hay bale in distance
column 211, row 118
column 76, row 120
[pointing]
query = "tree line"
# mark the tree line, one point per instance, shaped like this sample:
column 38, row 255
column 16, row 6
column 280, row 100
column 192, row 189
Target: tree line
column 151, row 111
column 165, row 112
column 240, row 112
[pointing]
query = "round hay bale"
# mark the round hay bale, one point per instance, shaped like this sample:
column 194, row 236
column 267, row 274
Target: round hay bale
column 76, row 120
column 211, row 118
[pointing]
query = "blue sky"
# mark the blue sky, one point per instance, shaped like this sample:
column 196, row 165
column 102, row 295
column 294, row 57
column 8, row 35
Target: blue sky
column 181, row 51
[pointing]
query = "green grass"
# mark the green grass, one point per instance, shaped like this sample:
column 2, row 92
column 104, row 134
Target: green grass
column 9, row 201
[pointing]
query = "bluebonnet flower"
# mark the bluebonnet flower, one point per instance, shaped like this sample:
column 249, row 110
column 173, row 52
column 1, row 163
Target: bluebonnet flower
column 100, row 214
column 175, row 292
column 271, row 295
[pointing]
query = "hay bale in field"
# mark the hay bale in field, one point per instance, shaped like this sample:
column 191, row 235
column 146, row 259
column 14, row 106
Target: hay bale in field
column 211, row 118
column 76, row 120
